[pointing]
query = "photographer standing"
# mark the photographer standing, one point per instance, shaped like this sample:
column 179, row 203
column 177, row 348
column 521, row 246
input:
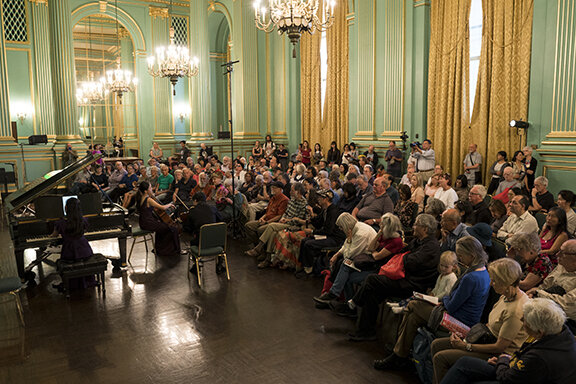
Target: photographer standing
column 425, row 159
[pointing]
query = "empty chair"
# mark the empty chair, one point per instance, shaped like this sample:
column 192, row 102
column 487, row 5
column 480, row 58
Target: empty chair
column 212, row 244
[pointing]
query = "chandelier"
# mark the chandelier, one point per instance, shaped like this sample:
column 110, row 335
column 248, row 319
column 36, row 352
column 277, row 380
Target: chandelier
column 91, row 92
column 173, row 61
column 294, row 17
column 119, row 81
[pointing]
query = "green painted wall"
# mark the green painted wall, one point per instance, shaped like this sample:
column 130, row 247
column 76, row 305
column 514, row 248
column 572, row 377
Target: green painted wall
column 389, row 43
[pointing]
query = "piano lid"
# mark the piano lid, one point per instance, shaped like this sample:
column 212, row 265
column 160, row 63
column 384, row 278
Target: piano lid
column 39, row 187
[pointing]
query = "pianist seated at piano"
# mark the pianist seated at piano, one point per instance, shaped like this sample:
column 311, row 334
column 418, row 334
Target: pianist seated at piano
column 167, row 238
column 75, row 246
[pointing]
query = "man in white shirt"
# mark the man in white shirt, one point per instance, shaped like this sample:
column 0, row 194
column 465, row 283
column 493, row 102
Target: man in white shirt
column 520, row 221
column 425, row 159
column 472, row 163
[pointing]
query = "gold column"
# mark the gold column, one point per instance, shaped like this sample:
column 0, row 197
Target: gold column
column 63, row 72
column 201, row 93
column 44, row 105
column 163, row 120
column 5, row 131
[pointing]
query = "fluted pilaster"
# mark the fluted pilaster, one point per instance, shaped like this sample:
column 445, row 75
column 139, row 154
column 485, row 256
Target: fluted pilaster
column 62, row 69
column 44, row 103
column 163, row 122
column 201, row 92
column 5, row 131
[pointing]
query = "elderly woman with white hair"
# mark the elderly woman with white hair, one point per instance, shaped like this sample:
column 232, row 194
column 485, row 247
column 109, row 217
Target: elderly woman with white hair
column 548, row 357
column 357, row 266
column 525, row 248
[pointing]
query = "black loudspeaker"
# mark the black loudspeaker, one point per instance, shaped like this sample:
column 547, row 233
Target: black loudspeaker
column 38, row 139
column 224, row 134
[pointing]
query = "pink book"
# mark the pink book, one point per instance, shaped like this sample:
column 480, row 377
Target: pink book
column 454, row 325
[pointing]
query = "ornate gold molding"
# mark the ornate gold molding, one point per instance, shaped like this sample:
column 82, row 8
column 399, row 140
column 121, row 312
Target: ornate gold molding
column 158, row 12
column 103, row 4
column 38, row 2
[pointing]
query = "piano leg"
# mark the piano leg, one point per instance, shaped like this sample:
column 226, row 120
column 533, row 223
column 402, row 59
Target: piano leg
column 117, row 264
column 19, row 254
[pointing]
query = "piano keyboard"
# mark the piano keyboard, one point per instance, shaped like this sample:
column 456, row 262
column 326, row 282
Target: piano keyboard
column 104, row 231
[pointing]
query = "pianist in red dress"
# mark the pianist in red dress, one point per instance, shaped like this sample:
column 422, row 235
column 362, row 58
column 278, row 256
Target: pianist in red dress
column 74, row 245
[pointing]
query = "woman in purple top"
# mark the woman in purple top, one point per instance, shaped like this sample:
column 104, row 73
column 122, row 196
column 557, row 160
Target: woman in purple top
column 74, row 245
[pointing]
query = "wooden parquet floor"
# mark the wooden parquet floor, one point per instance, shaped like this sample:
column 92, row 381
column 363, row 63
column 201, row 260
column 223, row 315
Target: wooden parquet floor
column 159, row 327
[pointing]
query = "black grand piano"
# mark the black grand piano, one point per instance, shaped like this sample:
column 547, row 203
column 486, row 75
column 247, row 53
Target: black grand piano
column 30, row 229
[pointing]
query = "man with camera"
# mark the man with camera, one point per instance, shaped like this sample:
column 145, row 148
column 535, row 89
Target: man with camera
column 425, row 158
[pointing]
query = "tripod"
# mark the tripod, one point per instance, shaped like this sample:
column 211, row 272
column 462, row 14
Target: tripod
column 236, row 232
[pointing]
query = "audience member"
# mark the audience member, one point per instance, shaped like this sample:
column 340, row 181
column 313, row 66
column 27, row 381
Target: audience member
column 530, row 165
column 425, row 159
column 506, row 331
column 421, row 272
column 508, row 183
column 333, row 156
column 406, row 209
column 554, row 233
column 520, row 220
column 542, row 199
column 417, row 194
column 373, row 205
column 496, row 170
column 499, row 213
column 393, row 158
column 452, row 230
column 462, row 187
column 156, row 152
column 525, row 248
column 433, row 187
column 472, row 165
column 566, row 201
column 560, row 285
column 547, row 358
column 410, row 169
column 445, row 193
column 480, row 211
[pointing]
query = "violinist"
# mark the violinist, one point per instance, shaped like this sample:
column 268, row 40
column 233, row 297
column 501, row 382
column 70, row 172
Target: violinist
column 167, row 241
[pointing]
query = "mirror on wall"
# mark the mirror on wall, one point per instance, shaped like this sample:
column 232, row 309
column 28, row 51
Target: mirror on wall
column 97, row 45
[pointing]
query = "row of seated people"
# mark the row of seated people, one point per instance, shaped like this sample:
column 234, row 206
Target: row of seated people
column 308, row 209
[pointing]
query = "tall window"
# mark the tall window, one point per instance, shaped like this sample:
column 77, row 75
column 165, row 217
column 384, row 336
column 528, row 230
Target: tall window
column 323, row 69
column 475, row 47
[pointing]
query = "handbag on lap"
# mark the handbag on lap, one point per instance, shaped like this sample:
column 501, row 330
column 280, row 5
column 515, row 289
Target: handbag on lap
column 394, row 268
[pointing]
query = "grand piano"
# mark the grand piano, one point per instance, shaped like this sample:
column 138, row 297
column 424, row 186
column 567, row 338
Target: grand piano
column 29, row 229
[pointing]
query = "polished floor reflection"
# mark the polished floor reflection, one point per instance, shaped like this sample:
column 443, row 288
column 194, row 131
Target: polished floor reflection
column 156, row 326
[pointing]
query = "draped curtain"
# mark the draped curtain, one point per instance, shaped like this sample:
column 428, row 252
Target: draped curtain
column 503, row 77
column 448, row 81
column 335, row 119
column 310, row 87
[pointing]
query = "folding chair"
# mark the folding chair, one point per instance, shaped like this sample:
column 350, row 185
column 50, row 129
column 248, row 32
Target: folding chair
column 212, row 244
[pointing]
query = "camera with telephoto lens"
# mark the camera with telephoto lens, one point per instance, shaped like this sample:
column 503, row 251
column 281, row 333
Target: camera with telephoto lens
column 416, row 144
column 404, row 136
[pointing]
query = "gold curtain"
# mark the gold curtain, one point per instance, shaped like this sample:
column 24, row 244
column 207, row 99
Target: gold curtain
column 310, row 87
column 448, row 81
column 335, row 119
column 503, row 76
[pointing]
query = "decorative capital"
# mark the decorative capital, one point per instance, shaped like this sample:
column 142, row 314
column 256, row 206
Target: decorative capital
column 123, row 33
column 103, row 4
column 38, row 2
column 158, row 12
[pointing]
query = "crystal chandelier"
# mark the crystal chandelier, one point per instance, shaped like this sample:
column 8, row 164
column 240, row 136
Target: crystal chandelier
column 119, row 81
column 294, row 17
column 91, row 92
column 173, row 61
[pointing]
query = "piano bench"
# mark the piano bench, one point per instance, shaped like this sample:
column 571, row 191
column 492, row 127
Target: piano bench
column 94, row 265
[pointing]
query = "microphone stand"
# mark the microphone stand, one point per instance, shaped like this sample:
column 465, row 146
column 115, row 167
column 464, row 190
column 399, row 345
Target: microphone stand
column 228, row 72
